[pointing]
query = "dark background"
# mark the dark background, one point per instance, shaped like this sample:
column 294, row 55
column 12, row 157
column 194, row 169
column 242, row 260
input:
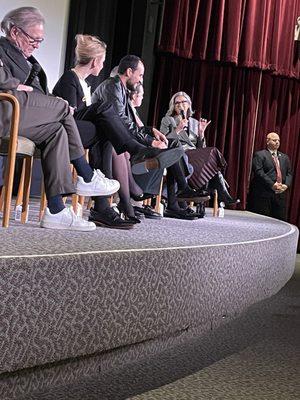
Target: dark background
column 237, row 59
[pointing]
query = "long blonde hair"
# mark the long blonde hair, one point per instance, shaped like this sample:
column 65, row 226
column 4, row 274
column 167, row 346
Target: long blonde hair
column 87, row 48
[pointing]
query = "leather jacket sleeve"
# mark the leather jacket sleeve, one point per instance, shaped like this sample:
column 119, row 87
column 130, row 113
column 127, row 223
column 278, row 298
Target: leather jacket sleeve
column 111, row 91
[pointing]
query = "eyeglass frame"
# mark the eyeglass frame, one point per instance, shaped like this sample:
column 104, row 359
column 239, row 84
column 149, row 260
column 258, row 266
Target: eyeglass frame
column 31, row 39
column 177, row 103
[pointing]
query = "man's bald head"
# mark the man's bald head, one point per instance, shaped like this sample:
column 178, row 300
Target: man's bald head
column 273, row 141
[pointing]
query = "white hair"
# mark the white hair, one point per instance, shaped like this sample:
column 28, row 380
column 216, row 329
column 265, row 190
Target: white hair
column 22, row 17
column 171, row 110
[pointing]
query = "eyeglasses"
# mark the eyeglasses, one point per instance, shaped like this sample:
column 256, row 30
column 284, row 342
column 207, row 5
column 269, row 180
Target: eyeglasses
column 31, row 39
column 180, row 102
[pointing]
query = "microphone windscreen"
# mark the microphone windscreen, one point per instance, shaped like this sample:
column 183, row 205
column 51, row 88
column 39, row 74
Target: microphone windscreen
column 182, row 114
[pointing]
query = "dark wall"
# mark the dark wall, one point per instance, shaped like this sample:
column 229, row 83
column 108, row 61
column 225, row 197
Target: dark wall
column 127, row 27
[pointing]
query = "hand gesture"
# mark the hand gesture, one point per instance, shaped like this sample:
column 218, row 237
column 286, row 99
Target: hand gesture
column 182, row 123
column 159, row 144
column 159, row 136
column 203, row 124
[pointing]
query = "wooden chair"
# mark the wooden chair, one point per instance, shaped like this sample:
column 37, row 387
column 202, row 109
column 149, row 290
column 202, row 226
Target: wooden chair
column 11, row 147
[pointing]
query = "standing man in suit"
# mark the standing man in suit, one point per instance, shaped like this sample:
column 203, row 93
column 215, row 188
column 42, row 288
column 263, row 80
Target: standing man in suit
column 272, row 176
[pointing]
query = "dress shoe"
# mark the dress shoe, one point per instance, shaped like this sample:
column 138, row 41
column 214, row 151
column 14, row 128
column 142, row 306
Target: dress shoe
column 193, row 213
column 231, row 201
column 109, row 218
column 152, row 158
column 141, row 197
column 133, row 220
column 189, row 193
column 147, row 211
column 179, row 214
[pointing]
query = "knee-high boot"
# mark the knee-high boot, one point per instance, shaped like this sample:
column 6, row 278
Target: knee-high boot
column 218, row 182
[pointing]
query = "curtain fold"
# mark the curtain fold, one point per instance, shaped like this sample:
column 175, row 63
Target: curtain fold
column 244, row 104
column 249, row 33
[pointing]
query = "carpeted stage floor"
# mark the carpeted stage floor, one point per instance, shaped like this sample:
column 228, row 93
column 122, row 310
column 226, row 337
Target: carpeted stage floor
column 255, row 357
column 114, row 314
column 236, row 228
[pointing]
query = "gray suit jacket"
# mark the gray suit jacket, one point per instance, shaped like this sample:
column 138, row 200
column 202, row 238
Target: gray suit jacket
column 18, row 66
column 189, row 140
column 7, row 84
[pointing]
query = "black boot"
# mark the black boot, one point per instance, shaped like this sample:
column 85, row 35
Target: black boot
column 218, row 182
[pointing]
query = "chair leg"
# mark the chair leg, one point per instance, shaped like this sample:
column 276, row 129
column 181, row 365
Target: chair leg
column 89, row 204
column 9, row 180
column 158, row 197
column 43, row 202
column 26, row 193
column 2, row 197
column 21, row 185
column 75, row 197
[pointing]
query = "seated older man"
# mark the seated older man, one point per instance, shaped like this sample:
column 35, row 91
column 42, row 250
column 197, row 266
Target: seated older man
column 48, row 123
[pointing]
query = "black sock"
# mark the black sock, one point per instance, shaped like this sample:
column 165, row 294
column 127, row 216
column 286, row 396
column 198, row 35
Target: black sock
column 83, row 169
column 55, row 204
column 100, row 203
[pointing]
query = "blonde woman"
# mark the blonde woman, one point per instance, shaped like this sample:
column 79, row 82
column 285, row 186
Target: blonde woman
column 99, row 125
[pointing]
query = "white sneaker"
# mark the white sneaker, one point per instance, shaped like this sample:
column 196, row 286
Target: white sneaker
column 99, row 185
column 66, row 220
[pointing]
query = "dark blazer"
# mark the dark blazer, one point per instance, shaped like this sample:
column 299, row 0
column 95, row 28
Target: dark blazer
column 264, row 173
column 113, row 92
column 68, row 87
column 18, row 66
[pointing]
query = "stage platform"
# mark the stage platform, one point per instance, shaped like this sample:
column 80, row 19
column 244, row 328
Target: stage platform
column 71, row 295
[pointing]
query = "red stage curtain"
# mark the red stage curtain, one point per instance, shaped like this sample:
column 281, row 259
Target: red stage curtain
column 250, row 33
column 244, row 105
column 279, row 111
column 240, row 64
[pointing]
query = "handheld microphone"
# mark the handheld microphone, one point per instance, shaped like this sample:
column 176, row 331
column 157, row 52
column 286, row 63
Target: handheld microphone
column 36, row 68
column 182, row 114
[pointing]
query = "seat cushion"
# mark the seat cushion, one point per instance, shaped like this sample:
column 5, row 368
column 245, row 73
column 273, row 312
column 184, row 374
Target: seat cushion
column 25, row 146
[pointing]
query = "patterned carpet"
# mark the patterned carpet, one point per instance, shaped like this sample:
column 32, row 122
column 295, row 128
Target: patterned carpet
column 262, row 371
column 236, row 227
column 112, row 314
column 268, row 369
column 255, row 357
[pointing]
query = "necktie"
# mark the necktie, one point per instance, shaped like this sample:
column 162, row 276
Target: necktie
column 277, row 166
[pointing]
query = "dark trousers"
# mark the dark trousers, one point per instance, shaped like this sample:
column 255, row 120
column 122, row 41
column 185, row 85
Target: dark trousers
column 109, row 126
column 108, row 131
column 46, row 120
column 273, row 206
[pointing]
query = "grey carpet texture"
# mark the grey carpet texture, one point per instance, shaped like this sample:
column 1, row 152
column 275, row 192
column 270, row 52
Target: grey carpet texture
column 236, row 227
column 254, row 357
column 76, row 307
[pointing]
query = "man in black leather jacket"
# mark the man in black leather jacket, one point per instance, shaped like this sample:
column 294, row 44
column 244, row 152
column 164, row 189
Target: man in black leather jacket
column 115, row 90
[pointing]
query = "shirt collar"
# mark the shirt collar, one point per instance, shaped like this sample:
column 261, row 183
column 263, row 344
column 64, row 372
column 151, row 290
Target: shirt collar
column 273, row 152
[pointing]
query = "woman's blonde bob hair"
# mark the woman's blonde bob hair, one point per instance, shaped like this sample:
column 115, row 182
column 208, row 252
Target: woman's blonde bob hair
column 87, row 48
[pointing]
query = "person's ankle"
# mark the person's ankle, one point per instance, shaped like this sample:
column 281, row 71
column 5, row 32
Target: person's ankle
column 55, row 204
